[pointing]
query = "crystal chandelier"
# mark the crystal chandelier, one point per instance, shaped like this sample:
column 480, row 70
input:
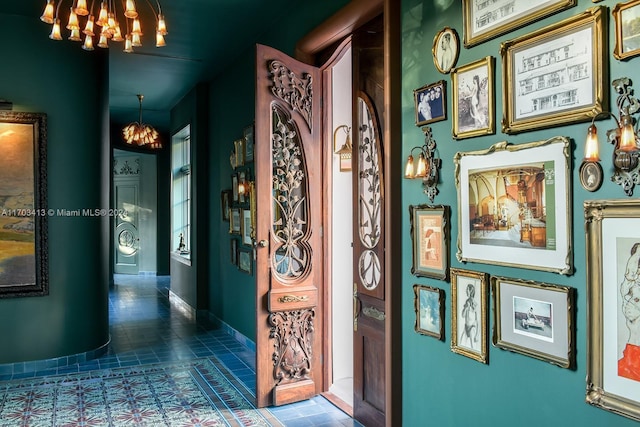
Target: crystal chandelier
column 109, row 20
column 138, row 133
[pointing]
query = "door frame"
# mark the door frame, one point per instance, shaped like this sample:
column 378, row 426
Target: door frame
column 340, row 25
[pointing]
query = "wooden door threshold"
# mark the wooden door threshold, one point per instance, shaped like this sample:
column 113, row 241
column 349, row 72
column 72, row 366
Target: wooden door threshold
column 341, row 404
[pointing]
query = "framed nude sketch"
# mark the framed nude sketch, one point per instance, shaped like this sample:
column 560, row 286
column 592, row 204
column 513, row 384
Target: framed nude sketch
column 469, row 308
column 474, row 99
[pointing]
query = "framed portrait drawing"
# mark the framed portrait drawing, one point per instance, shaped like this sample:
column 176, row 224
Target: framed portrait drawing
column 486, row 20
column 247, row 227
column 474, row 99
column 556, row 75
column 225, row 204
column 514, row 203
column 430, row 103
column 430, row 229
column 445, row 50
column 238, row 146
column 613, row 305
column 429, row 307
column 469, row 319
column 248, row 135
column 591, row 175
column 235, row 220
column 23, row 184
column 245, row 261
column 626, row 16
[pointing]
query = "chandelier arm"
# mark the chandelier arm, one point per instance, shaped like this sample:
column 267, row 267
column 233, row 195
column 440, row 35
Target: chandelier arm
column 58, row 8
column 152, row 9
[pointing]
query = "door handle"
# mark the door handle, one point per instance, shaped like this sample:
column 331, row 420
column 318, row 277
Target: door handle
column 356, row 307
column 263, row 243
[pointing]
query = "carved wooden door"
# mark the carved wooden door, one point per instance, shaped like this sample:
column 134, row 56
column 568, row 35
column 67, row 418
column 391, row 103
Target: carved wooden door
column 289, row 229
column 369, row 389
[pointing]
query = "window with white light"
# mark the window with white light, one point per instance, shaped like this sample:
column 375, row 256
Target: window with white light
column 181, row 193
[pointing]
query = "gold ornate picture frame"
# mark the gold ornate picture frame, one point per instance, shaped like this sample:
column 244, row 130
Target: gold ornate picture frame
column 428, row 304
column 473, row 98
column 469, row 314
column 613, row 305
column 445, row 50
column 535, row 319
column 625, row 16
column 556, row 75
column 430, row 235
column 514, row 203
column 485, row 23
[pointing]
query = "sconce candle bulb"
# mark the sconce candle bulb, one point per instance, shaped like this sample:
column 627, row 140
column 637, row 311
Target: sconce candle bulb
column 591, row 149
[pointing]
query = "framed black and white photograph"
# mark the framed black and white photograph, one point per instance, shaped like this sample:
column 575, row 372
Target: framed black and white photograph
column 429, row 309
column 474, row 99
column 430, row 103
column 248, row 133
column 235, row 220
column 591, row 176
column 535, row 319
column 247, row 227
column 514, row 205
column 627, row 19
column 485, row 20
column 225, row 204
column 245, row 260
column 556, row 75
column 613, row 304
column 469, row 314
column 446, row 48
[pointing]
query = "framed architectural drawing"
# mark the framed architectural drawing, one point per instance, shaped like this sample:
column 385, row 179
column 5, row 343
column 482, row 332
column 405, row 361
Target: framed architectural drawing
column 430, row 235
column 514, row 203
column 556, row 75
column 474, row 99
column 429, row 308
column 24, row 268
column 484, row 20
column 613, row 305
column 469, row 308
column 534, row 319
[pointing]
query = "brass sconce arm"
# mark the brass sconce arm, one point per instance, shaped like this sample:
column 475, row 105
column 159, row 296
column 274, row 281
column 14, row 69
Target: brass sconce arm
column 427, row 165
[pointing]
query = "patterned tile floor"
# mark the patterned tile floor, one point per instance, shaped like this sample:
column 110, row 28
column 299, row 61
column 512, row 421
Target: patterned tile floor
column 146, row 329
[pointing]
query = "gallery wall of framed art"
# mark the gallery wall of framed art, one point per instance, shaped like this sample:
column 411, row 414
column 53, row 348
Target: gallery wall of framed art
column 539, row 220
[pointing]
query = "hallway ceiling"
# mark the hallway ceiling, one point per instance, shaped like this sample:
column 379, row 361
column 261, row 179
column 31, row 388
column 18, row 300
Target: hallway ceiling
column 202, row 35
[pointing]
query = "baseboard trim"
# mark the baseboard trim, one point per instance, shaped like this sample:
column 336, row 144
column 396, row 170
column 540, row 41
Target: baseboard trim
column 229, row 330
column 182, row 306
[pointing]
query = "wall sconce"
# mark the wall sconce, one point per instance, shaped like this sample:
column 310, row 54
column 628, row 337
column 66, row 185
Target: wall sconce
column 624, row 139
column 244, row 186
column 427, row 165
column 345, row 150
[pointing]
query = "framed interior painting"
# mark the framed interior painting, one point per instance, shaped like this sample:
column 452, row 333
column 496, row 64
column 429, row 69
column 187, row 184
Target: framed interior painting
column 556, row 75
column 514, row 203
column 244, row 260
column 248, row 143
column 429, row 308
column 24, row 270
column 469, row 308
column 430, row 229
column 446, row 47
column 247, row 227
column 486, row 20
column 235, row 220
column 535, row 319
column 225, row 203
column 430, row 103
column 626, row 16
column 613, row 305
column 474, row 99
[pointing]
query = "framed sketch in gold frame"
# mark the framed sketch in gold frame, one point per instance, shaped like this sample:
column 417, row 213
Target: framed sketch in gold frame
column 430, row 227
column 535, row 319
column 469, row 308
column 474, row 99
column 445, row 50
column 613, row 307
column 626, row 19
column 485, row 23
column 556, row 75
column 514, row 203
column 428, row 303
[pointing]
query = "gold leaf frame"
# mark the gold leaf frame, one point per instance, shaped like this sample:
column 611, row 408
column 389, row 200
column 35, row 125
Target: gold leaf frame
column 479, row 281
column 459, row 77
column 439, row 294
column 523, row 112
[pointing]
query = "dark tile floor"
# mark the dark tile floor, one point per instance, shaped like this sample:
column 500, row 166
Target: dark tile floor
column 146, row 329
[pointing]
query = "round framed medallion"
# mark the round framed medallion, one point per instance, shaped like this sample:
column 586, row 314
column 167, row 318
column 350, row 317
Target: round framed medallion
column 591, row 175
column 446, row 47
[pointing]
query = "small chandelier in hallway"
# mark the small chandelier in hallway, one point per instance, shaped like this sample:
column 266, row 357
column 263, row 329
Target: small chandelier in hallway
column 138, row 133
column 109, row 20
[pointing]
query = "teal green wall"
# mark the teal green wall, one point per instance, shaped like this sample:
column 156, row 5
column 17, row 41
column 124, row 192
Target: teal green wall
column 447, row 389
column 70, row 86
column 232, row 297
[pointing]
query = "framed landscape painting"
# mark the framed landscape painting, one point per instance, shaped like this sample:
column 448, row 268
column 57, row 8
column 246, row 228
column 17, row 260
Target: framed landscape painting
column 24, row 268
column 514, row 205
column 613, row 305
column 429, row 308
